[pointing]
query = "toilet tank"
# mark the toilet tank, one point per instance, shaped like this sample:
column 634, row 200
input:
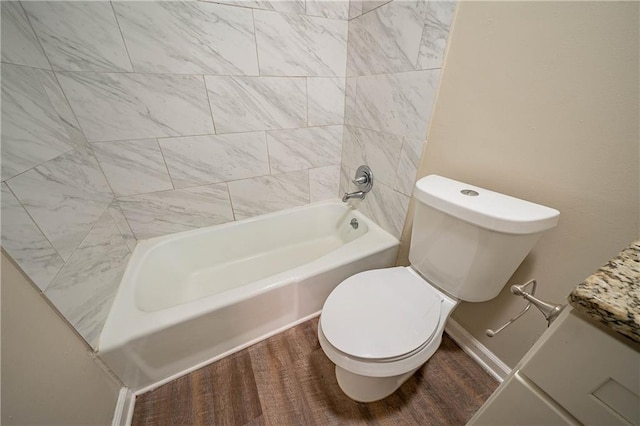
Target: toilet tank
column 467, row 240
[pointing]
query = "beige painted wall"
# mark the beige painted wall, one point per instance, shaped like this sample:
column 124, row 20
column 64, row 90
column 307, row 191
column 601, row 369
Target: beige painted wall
column 539, row 100
column 49, row 374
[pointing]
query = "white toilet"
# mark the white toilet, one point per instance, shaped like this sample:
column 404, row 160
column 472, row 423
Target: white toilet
column 380, row 326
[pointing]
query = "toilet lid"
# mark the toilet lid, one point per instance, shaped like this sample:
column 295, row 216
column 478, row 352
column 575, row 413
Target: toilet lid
column 383, row 313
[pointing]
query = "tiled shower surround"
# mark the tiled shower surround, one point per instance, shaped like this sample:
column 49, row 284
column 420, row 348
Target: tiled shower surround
column 395, row 53
column 129, row 120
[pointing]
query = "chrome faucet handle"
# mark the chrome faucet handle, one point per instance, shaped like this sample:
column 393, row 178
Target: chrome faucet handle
column 362, row 180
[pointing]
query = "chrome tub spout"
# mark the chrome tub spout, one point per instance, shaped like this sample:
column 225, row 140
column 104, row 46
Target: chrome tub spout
column 357, row 194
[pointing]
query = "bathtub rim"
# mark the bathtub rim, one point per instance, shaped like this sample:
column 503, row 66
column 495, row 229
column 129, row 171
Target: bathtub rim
column 117, row 330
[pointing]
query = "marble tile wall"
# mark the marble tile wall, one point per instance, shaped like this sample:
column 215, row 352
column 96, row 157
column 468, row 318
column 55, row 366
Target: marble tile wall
column 129, row 120
column 395, row 53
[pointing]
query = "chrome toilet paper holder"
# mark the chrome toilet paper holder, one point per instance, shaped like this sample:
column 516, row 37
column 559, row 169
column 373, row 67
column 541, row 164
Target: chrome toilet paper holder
column 549, row 310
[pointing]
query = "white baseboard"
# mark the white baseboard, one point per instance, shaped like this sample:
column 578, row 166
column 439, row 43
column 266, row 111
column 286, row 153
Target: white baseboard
column 476, row 350
column 124, row 408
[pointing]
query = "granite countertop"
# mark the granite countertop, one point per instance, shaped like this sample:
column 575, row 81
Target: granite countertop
column 612, row 294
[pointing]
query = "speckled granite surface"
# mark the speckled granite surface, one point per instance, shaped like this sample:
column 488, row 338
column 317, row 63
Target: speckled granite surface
column 612, row 294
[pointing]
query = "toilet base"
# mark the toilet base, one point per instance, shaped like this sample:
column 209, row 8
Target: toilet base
column 368, row 389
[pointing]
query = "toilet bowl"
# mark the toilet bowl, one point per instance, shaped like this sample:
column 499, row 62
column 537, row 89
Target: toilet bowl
column 391, row 332
column 379, row 326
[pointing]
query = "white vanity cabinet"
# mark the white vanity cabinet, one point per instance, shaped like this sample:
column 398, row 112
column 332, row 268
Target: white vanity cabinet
column 578, row 372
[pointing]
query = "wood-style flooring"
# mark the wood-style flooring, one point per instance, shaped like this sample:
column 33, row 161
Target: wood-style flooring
column 287, row 380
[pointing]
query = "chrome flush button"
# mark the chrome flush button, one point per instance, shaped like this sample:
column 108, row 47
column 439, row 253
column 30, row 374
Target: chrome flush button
column 469, row 192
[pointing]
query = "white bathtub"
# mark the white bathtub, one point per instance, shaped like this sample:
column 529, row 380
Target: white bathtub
column 190, row 298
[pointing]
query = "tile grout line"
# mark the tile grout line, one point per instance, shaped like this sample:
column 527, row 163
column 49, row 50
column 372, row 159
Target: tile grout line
column 113, row 193
column 375, row 8
column 424, row 28
column 396, row 169
column 233, row 210
column 282, row 76
column 385, row 133
column 266, row 144
column 40, row 164
column 27, row 66
column 277, row 11
column 124, row 42
column 306, row 88
column 341, row 160
column 166, row 166
column 309, row 185
column 206, row 91
column 80, row 244
column 216, row 134
column 255, row 43
column 116, row 205
column 201, row 185
column 289, row 76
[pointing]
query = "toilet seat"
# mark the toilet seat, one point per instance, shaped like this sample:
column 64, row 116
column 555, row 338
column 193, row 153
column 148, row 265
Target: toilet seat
column 381, row 315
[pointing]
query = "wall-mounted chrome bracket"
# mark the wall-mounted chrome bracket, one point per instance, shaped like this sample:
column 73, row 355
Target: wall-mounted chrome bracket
column 549, row 310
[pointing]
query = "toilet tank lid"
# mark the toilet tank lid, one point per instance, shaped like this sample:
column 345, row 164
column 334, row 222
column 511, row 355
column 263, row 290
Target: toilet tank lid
column 484, row 208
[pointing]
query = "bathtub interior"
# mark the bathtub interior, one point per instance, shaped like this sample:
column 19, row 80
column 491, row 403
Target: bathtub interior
column 200, row 264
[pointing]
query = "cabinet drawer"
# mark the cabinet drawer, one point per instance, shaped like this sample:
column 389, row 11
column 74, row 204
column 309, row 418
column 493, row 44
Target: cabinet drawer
column 592, row 373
